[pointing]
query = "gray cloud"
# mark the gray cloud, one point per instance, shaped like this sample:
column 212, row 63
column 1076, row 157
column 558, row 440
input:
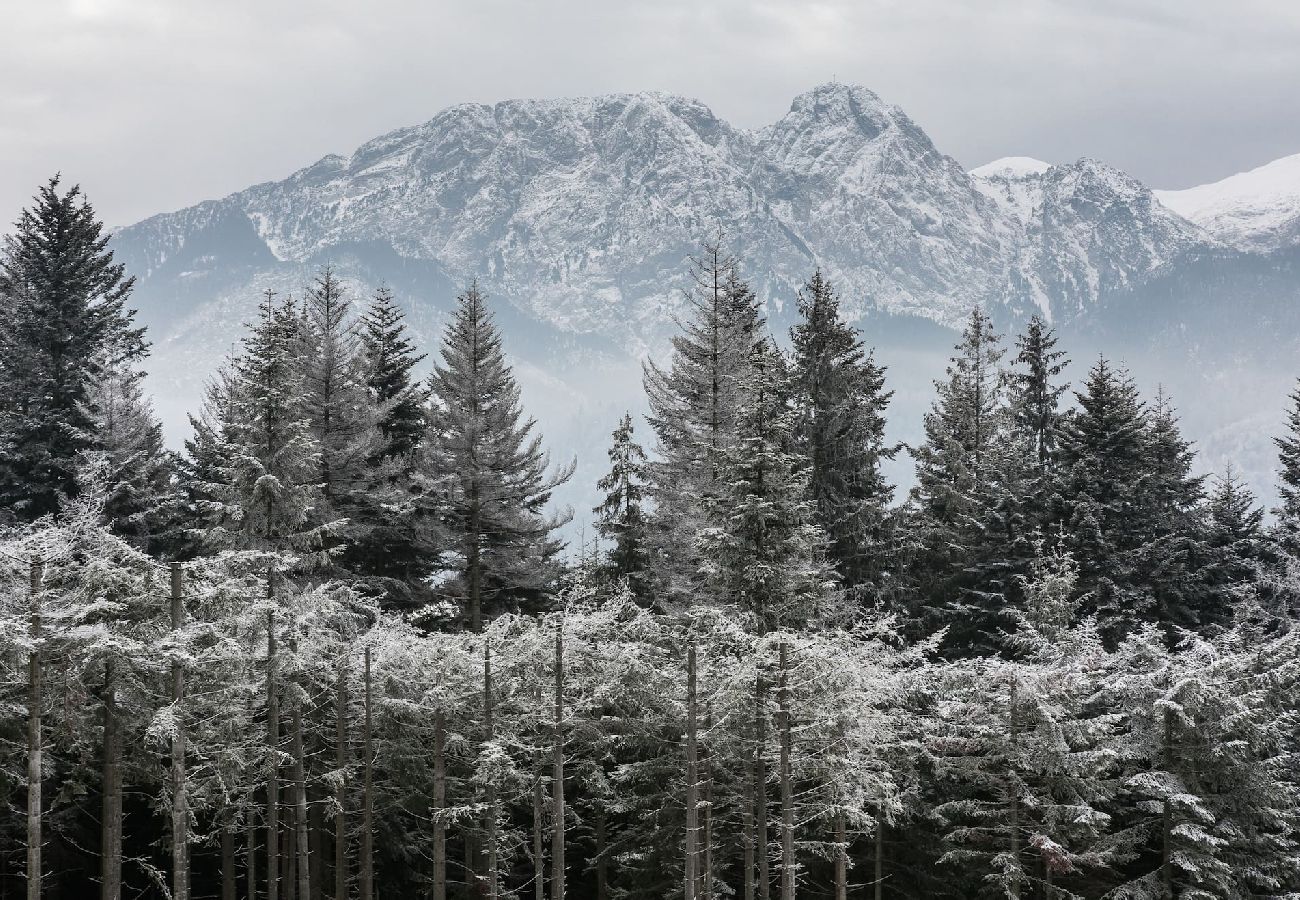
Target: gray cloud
column 156, row 104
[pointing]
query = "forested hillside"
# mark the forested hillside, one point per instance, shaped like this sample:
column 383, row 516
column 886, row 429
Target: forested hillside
column 337, row 647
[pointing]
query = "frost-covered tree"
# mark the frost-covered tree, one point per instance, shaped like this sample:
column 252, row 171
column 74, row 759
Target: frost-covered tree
column 840, row 399
column 1287, row 528
column 1036, row 389
column 693, row 408
column 494, row 483
column 64, row 301
column 390, row 360
column 621, row 515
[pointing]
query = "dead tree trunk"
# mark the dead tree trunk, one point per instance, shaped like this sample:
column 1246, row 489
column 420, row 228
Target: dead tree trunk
column 302, row 850
column 691, row 775
column 340, row 787
column 35, row 748
column 439, row 807
column 841, row 858
column 557, row 776
column 273, row 752
column 180, row 808
column 227, row 856
column 316, row 857
column 748, row 835
column 787, row 792
column 367, row 797
column 706, row 826
column 111, row 825
column 539, row 861
column 490, row 791
column 250, row 856
column 760, row 789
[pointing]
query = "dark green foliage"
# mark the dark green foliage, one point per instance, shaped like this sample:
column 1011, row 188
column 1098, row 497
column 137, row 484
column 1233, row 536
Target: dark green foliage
column 64, row 304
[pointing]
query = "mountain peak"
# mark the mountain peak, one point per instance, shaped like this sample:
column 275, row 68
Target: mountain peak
column 1011, row 167
column 1254, row 210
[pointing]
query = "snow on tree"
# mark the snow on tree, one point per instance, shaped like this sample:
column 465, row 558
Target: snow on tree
column 621, row 514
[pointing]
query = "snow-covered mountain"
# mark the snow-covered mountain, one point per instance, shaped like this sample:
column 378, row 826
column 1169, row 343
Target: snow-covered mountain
column 579, row 217
column 1256, row 211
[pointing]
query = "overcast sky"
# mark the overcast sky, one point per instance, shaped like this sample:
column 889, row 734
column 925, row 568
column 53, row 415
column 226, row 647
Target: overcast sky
column 157, row 104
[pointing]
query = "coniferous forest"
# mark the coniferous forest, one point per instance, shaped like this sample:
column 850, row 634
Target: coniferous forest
column 336, row 647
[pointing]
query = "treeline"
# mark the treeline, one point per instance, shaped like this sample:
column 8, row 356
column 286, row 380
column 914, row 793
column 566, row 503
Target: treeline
column 333, row 649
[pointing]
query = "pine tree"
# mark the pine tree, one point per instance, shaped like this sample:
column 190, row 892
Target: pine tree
column 1287, row 513
column 141, row 501
column 1035, row 393
column 64, row 301
column 1234, row 542
column 258, row 450
column 1103, row 465
column 390, row 358
column 693, row 407
column 841, row 399
column 767, row 555
column 970, row 540
column 621, row 515
column 496, row 483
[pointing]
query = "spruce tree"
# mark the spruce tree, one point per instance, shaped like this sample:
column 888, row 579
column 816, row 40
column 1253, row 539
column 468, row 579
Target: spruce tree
column 64, row 301
column 693, row 406
column 493, row 473
column 390, row 360
column 258, row 453
column 767, row 555
column 1103, row 463
column 969, row 539
column 621, row 517
column 840, row 397
column 1287, row 513
column 1035, row 392
column 1235, row 541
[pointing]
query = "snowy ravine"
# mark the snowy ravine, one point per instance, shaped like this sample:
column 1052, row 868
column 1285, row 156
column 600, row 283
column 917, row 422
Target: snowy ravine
column 577, row 217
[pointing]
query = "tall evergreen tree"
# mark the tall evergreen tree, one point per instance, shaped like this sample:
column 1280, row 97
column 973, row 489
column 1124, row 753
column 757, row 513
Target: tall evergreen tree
column 390, row 360
column 1035, row 392
column 693, row 405
column 64, row 302
column 257, row 450
column 767, row 554
column 841, row 399
column 1288, row 510
column 621, row 517
column 495, row 481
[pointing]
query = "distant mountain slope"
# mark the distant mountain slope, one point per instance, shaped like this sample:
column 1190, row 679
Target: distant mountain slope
column 579, row 216
column 1256, row 211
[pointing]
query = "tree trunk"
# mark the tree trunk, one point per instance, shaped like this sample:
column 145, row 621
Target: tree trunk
column 273, row 751
column 111, row 825
column 1014, row 796
column 1167, row 815
column 35, row 700
column 368, row 798
column 316, row 854
column 180, row 808
column 302, row 857
column 787, row 791
column 250, row 858
column 557, row 776
column 539, row 861
column 439, row 807
column 490, row 815
column 227, row 856
column 691, row 798
column 706, row 827
column 880, row 858
column 602, row 872
column 841, row 858
column 288, row 852
column 340, row 788
column 747, row 831
column 760, row 789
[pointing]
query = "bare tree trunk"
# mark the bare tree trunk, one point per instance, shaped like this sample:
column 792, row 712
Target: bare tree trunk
column 273, row 749
column 111, row 825
column 1167, row 816
column 340, row 787
column 539, row 861
column 602, row 872
column 747, row 831
column 180, row 807
column 880, row 857
column 557, row 776
column 367, row 797
column 35, row 747
column 787, row 791
column 1014, row 797
column 760, row 789
column 316, row 857
column 439, row 807
column 227, row 856
column 288, row 853
column 706, row 827
column 302, row 858
column 691, row 775
column 250, row 858
column 841, row 858
column 490, row 816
